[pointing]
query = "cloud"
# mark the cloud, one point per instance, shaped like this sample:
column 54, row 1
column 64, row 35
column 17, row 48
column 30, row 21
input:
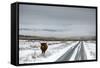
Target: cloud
column 57, row 21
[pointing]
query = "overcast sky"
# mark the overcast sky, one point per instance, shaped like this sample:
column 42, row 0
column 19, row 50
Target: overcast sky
column 61, row 22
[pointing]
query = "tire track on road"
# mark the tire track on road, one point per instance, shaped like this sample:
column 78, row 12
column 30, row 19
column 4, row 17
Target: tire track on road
column 68, row 53
column 81, row 55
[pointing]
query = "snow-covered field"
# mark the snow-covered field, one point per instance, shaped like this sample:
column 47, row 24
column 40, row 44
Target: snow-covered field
column 90, row 48
column 30, row 52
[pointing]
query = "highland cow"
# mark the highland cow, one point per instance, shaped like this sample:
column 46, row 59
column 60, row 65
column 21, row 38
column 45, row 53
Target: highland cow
column 44, row 48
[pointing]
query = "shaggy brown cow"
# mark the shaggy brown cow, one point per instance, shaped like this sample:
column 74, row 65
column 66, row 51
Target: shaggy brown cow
column 43, row 47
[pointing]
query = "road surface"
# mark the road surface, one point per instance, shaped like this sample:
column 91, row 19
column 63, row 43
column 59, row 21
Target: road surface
column 79, row 55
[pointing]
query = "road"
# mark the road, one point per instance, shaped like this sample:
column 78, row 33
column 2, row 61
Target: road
column 79, row 55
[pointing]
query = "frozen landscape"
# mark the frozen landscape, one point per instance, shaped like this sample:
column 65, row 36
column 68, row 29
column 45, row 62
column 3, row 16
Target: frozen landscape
column 56, row 23
column 30, row 52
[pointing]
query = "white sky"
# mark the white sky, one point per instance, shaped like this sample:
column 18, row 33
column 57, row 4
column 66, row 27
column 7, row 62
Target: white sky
column 61, row 22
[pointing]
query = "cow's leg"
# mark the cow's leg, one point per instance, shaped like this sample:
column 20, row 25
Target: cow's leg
column 43, row 53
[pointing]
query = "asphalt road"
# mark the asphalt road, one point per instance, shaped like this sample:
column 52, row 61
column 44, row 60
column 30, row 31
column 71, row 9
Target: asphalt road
column 80, row 55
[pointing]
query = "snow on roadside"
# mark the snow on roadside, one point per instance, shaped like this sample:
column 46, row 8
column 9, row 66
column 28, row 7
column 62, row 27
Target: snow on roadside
column 90, row 50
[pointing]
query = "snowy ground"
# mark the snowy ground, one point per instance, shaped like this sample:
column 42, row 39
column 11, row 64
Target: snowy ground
column 90, row 48
column 29, row 51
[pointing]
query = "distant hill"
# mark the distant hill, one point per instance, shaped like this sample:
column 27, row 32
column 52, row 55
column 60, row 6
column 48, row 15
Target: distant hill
column 24, row 37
